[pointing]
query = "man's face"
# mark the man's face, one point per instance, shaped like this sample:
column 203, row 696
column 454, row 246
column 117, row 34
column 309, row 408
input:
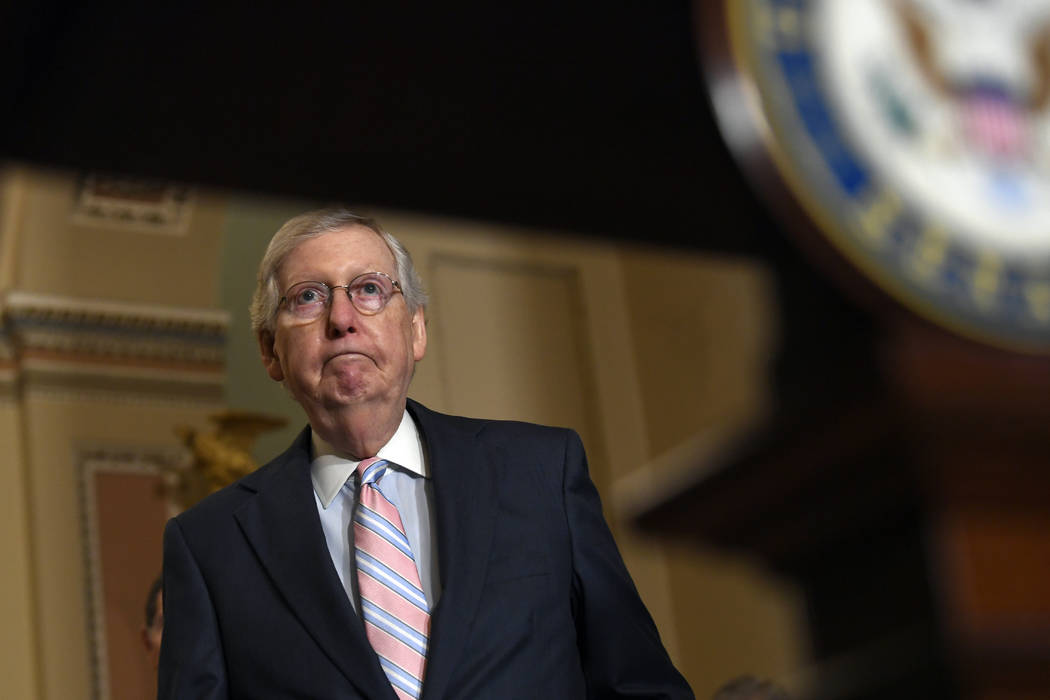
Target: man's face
column 343, row 357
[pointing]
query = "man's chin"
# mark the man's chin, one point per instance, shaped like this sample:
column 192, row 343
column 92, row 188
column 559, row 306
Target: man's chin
column 347, row 396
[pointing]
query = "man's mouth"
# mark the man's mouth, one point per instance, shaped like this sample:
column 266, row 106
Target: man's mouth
column 347, row 355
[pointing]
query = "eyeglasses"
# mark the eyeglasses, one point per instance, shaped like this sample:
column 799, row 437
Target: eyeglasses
column 369, row 293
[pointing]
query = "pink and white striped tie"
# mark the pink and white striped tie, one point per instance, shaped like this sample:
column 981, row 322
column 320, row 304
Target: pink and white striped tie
column 393, row 607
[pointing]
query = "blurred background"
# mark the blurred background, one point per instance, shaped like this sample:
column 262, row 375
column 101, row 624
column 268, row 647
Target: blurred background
column 634, row 220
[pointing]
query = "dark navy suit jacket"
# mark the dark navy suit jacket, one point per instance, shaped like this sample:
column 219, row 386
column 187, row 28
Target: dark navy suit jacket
column 535, row 603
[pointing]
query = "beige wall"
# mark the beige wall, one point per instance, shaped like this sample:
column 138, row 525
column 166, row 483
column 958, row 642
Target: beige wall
column 703, row 330
column 59, row 253
column 18, row 636
column 58, row 426
column 109, row 331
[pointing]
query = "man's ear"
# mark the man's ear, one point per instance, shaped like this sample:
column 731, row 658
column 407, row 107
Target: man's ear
column 419, row 335
column 270, row 361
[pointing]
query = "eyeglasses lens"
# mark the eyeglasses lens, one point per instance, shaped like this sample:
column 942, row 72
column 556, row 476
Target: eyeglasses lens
column 369, row 293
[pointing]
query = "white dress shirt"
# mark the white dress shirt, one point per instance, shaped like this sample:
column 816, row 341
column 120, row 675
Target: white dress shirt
column 407, row 485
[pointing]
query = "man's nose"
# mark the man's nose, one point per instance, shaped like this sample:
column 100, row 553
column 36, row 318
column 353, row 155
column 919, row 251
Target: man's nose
column 343, row 316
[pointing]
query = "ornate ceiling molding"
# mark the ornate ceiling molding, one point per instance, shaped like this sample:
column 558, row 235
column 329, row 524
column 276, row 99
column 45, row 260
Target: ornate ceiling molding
column 7, row 361
column 55, row 343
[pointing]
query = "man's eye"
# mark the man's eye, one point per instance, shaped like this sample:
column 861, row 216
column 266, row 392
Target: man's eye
column 370, row 289
column 309, row 296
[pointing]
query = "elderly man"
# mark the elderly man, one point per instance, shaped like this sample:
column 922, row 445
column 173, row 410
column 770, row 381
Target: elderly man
column 393, row 551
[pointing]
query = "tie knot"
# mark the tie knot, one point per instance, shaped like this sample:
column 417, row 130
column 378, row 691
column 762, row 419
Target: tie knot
column 370, row 470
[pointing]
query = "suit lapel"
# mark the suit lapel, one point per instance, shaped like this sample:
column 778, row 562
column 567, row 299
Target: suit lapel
column 282, row 525
column 465, row 504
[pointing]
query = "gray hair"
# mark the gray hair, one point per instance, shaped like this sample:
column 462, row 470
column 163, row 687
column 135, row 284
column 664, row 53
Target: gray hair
column 312, row 224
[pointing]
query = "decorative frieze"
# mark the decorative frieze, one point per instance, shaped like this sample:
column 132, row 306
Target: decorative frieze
column 58, row 343
column 8, row 375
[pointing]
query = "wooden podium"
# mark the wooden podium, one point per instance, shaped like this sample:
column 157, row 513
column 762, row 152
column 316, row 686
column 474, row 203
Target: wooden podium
column 914, row 516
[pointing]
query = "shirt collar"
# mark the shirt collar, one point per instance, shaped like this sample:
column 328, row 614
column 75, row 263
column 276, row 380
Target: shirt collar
column 329, row 469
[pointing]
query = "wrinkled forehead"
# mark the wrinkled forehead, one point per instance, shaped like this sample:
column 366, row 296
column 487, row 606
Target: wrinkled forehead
column 355, row 247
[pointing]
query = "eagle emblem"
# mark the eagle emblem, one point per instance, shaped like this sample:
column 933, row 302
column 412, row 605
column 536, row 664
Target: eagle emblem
column 990, row 63
column 949, row 102
column 916, row 134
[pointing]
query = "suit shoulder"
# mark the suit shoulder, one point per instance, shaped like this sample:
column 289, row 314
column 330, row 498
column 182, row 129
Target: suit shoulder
column 520, row 430
column 502, row 429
